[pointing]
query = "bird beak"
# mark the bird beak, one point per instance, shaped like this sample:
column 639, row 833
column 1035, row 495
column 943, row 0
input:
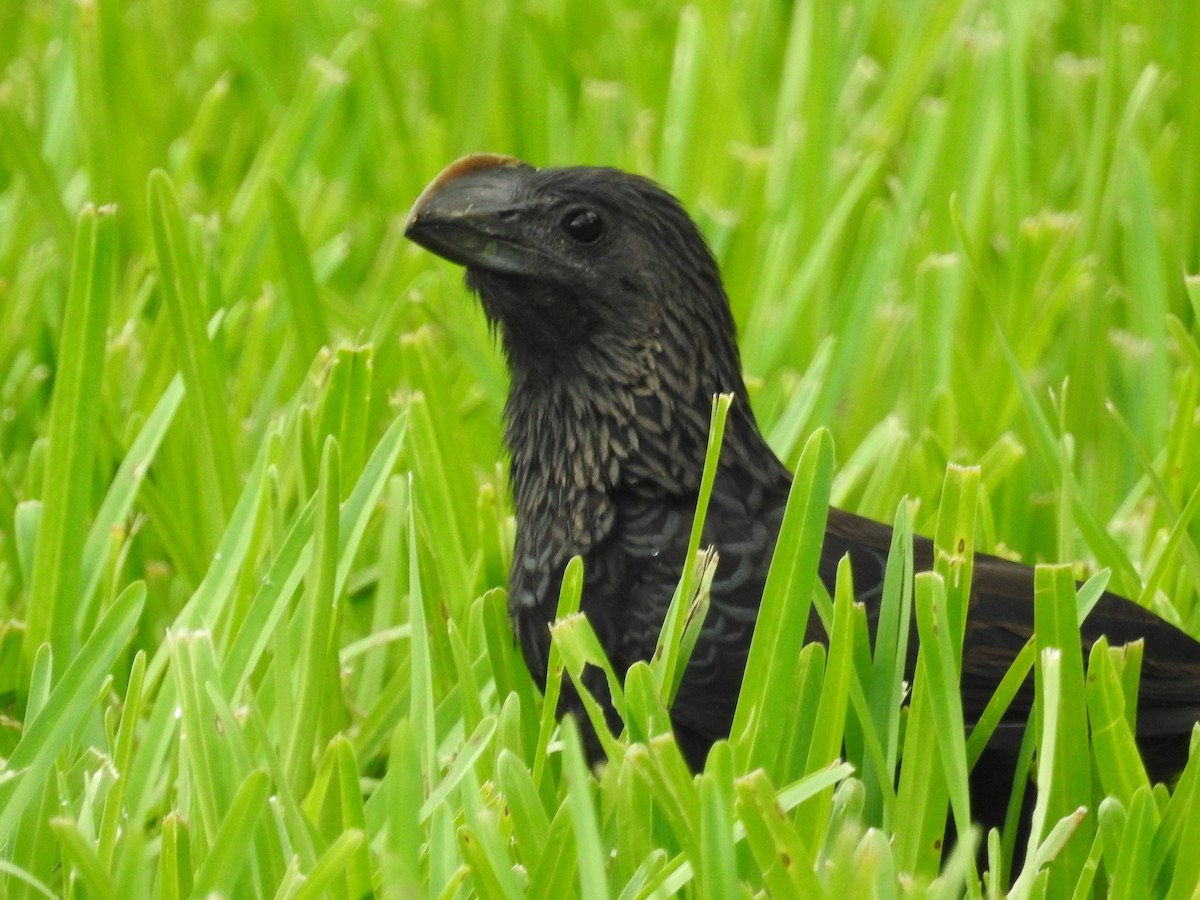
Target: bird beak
column 465, row 215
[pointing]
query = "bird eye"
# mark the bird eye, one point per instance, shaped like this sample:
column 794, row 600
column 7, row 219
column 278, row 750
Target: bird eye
column 583, row 225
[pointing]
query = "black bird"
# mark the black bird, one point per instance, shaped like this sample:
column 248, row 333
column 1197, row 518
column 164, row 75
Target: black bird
column 617, row 333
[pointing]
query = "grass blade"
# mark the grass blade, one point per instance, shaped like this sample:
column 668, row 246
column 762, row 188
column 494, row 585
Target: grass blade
column 56, row 583
column 68, row 706
column 782, row 622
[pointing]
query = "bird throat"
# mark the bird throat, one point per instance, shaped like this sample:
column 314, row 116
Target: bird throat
column 579, row 440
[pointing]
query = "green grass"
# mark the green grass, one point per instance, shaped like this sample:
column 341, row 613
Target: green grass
column 254, row 528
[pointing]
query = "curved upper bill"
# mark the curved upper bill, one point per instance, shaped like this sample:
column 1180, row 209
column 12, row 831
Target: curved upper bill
column 466, row 214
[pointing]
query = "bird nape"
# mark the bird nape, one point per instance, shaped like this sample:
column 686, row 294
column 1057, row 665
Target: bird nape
column 617, row 334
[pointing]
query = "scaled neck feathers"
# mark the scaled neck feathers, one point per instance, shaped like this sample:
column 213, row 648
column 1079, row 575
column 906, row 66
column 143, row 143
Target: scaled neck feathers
column 623, row 418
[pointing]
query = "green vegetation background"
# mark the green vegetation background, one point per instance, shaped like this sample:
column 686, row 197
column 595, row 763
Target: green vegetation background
column 254, row 528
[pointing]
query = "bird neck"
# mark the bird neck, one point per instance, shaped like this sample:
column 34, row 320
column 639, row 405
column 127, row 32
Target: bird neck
column 596, row 429
column 574, row 423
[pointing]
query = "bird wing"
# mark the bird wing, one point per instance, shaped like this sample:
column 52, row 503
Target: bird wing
column 1000, row 622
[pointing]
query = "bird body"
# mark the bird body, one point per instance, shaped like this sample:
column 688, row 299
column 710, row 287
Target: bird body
column 617, row 333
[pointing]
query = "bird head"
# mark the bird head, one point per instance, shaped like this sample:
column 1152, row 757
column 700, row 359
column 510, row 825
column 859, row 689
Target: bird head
column 614, row 322
column 582, row 268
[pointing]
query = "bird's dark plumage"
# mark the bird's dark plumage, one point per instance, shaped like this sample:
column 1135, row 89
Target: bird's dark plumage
column 618, row 333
